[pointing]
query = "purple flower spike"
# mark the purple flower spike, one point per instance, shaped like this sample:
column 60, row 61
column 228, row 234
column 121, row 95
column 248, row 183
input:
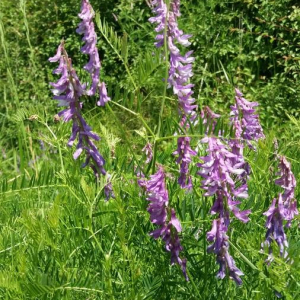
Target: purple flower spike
column 209, row 118
column 164, row 216
column 287, row 181
column 185, row 153
column 148, row 151
column 274, row 225
column 108, row 190
column 244, row 119
column 219, row 170
column 103, row 94
column 285, row 210
column 180, row 72
column 87, row 29
column 67, row 90
column 220, row 247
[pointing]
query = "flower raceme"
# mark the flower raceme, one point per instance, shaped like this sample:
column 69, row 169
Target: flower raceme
column 68, row 90
column 244, row 119
column 87, row 29
column 148, row 152
column 287, row 181
column 218, row 171
column 180, row 65
column 163, row 216
column 180, row 72
column 282, row 209
column 185, row 154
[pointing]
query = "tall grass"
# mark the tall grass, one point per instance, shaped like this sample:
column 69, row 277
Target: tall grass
column 60, row 239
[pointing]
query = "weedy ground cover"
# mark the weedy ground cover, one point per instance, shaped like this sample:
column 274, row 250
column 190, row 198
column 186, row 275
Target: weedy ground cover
column 183, row 174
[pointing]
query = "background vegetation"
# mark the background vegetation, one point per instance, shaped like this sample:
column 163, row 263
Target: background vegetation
column 59, row 238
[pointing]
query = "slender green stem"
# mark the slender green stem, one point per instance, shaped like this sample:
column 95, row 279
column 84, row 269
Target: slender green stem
column 100, row 26
column 137, row 115
column 166, row 53
column 193, row 283
column 125, row 136
column 171, row 137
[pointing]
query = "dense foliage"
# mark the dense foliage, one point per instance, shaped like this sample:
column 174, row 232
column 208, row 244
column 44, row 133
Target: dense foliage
column 60, row 237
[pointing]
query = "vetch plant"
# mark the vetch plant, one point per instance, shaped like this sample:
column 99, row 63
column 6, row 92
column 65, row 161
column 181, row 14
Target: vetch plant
column 245, row 121
column 283, row 208
column 68, row 90
column 224, row 168
column 164, row 216
column 87, row 29
column 179, row 74
column 218, row 171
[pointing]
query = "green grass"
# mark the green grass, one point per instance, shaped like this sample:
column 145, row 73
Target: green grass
column 59, row 238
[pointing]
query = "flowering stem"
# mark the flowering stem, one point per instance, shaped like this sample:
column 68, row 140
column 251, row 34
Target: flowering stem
column 78, row 108
column 166, row 54
column 193, row 283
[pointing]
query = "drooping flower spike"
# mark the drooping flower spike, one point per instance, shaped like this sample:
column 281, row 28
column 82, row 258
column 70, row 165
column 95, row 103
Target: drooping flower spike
column 68, row 90
column 247, row 130
column 245, row 120
column 163, row 216
column 87, row 29
column 218, row 171
column 220, row 246
column 148, row 152
column 209, row 119
column 282, row 209
column 185, row 154
column 180, row 72
column 287, row 181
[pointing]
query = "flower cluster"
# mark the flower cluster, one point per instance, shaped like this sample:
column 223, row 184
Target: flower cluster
column 164, row 217
column 218, row 172
column 148, row 152
column 185, row 153
column 180, row 72
column 67, row 90
column 244, row 119
column 220, row 247
column 247, row 128
column 87, row 29
column 209, row 119
column 282, row 209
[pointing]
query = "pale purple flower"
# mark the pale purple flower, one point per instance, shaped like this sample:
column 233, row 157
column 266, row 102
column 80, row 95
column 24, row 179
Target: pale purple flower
column 148, row 152
column 164, row 217
column 274, row 225
column 103, row 95
column 209, row 119
column 219, row 170
column 67, row 90
column 245, row 120
column 220, row 246
column 87, row 29
column 180, row 70
column 282, row 209
column 185, row 154
column 287, row 181
column 108, row 191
